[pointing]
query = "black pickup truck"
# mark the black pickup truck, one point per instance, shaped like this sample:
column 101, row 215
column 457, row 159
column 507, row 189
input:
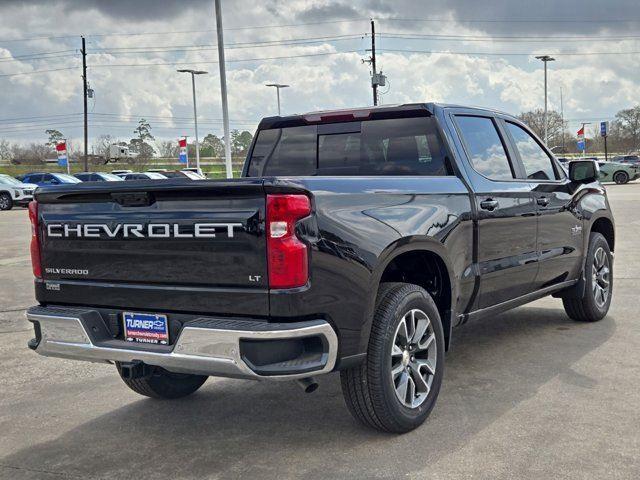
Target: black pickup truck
column 354, row 241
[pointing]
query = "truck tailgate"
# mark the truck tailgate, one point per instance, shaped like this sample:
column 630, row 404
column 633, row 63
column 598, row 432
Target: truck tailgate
column 177, row 238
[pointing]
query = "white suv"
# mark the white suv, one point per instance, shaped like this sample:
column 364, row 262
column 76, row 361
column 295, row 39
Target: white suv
column 13, row 192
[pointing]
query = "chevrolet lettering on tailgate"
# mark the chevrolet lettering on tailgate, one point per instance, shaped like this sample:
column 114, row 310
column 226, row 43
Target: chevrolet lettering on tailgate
column 132, row 230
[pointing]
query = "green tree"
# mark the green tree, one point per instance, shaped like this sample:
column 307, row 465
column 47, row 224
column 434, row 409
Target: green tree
column 55, row 136
column 240, row 142
column 140, row 144
column 212, row 146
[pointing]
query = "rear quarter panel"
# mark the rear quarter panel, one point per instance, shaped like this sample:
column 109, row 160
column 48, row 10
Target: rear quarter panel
column 362, row 224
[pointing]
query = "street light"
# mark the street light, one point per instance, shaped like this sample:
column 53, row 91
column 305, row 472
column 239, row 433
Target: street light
column 545, row 59
column 195, row 111
column 278, row 87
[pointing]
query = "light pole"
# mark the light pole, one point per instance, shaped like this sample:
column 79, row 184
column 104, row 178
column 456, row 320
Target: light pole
column 545, row 59
column 195, row 110
column 278, row 87
column 223, row 90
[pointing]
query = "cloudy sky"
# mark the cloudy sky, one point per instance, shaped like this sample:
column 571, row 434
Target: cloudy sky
column 457, row 51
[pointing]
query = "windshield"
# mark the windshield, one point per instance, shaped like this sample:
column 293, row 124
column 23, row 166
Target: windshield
column 155, row 176
column 397, row 146
column 64, row 178
column 192, row 175
column 8, row 180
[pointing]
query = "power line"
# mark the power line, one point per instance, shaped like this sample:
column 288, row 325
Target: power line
column 509, row 20
column 232, row 46
column 37, row 71
column 228, row 61
column 506, row 54
column 506, row 38
column 174, row 32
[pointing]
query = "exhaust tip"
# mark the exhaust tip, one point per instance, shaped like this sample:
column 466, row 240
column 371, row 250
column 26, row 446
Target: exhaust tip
column 309, row 384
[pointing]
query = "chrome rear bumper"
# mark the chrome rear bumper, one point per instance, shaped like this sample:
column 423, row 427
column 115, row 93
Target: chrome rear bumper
column 205, row 346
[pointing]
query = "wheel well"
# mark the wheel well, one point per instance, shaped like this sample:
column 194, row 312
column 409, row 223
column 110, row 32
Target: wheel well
column 428, row 270
column 605, row 227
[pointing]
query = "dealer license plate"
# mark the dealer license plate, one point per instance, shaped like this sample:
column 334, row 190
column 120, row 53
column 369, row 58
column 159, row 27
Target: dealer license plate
column 146, row 328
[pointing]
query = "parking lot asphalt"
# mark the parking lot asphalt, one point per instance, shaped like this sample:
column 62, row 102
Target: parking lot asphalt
column 527, row 394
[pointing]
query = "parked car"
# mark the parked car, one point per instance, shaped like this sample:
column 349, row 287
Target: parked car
column 631, row 159
column 144, row 176
column 42, row 179
column 14, row 192
column 620, row 173
column 121, row 172
column 355, row 241
column 183, row 174
column 98, row 177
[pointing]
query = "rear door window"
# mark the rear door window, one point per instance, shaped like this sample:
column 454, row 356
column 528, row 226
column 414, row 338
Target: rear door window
column 404, row 146
column 34, row 178
column 484, row 147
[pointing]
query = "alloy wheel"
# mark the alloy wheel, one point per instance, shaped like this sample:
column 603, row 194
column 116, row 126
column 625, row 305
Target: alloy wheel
column 601, row 273
column 413, row 358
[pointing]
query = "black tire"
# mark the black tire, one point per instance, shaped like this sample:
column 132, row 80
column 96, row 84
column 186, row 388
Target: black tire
column 369, row 389
column 621, row 177
column 588, row 308
column 161, row 383
column 6, row 202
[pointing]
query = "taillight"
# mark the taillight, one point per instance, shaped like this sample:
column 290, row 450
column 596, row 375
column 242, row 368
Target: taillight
column 288, row 260
column 35, row 239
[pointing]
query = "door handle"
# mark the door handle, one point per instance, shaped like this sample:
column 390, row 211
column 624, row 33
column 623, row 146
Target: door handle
column 489, row 204
column 542, row 201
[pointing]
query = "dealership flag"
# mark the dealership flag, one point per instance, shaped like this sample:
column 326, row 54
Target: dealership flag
column 182, row 143
column 581, row 132
column 61, row 148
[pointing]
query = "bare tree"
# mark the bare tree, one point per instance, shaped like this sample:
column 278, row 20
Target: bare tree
column 102, row 143
column 5, row 150
column 535, row 120
column 628, row 121
column 168, row 149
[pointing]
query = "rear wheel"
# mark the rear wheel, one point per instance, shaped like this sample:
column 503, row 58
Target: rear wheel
column 6, row 202
column 621, row 178
column 396, row 387
column 161, row 383
column 595, row 302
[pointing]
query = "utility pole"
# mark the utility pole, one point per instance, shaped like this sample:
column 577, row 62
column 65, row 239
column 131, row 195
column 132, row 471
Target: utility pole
column 374, row 83
column 223, row 90
column 195, row 109
column 84, row 97
column 278, row 86
column 545, row 59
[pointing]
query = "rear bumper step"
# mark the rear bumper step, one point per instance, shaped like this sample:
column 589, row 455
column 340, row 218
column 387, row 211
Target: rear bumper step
column 205, row 346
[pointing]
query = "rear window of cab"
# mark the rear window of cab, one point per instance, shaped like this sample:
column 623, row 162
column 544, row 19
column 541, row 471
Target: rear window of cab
column 399, row 146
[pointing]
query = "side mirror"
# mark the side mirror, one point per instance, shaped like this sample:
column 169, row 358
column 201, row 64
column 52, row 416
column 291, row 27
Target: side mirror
column 583, row 171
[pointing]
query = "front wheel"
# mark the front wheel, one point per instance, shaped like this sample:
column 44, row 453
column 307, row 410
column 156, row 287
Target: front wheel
column 596, row 299
column 161, row 383
column 6, row 202
column 396, row 387
column 621, row 178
